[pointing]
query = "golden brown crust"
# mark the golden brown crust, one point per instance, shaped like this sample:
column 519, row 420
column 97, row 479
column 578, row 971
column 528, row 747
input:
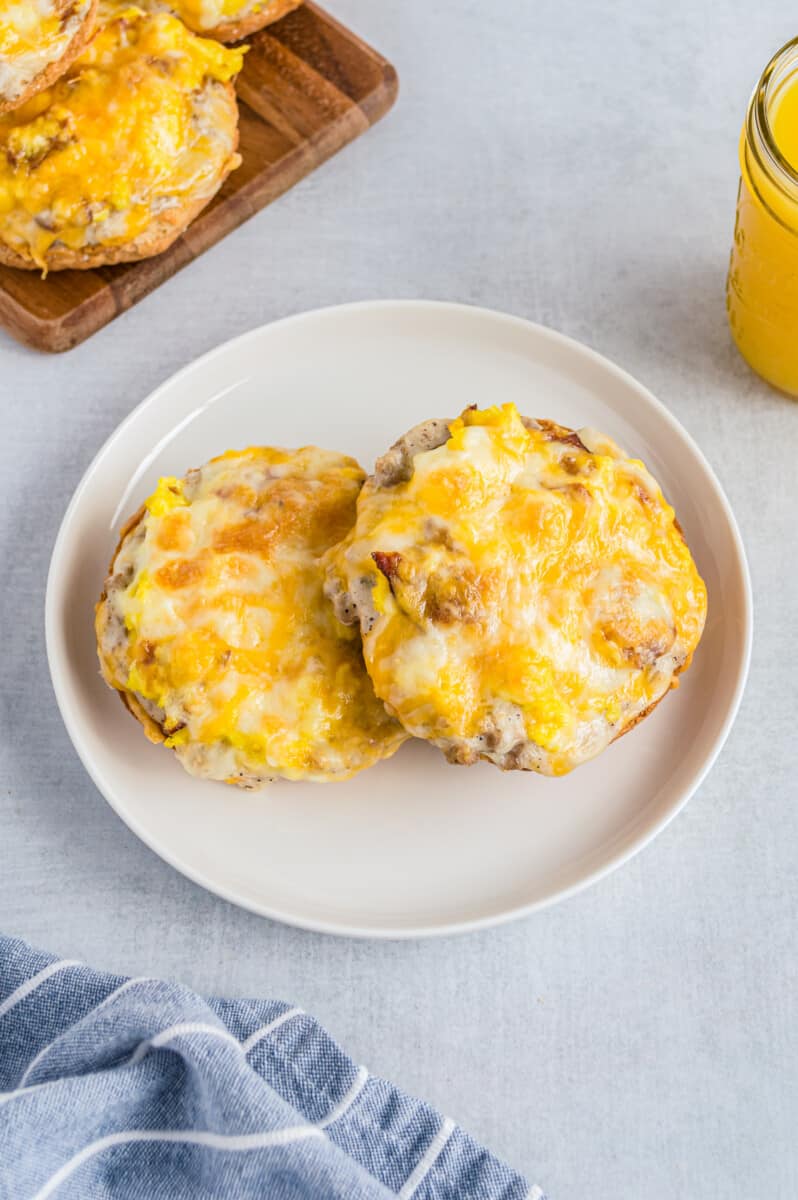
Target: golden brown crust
column 234, row 31
column 55, row 70
column 128, row 527
column 151, row 727
column 164, row 229
column 641, row 716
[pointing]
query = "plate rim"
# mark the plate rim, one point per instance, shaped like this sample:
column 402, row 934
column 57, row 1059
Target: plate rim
column 449, row 928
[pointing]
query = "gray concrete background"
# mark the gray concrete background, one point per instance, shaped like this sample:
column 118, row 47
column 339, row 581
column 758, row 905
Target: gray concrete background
column 574, row 163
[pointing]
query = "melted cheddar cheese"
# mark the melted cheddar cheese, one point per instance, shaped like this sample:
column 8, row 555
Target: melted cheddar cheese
column 215, row 622
column 528, row 594
column 128, row 132
column 34, row 34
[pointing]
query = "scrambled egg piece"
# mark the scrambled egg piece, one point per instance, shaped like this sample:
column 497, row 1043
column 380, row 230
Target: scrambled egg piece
column 524, row 592
column 215, row 627
column 119, row 138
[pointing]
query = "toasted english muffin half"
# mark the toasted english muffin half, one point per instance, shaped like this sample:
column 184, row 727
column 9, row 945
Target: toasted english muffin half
column 39, row 39
column 118, row 157
column 214, row 628
column 524, row 592
column 226, row 20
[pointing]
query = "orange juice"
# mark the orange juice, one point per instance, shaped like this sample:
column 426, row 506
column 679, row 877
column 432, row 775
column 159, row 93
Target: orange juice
column 762, row 288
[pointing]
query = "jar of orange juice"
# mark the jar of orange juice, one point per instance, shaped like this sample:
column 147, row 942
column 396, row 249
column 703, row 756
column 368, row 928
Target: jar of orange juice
column 762, row 287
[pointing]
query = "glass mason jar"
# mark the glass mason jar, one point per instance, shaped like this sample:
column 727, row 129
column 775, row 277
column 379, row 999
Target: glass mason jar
column 762, row 286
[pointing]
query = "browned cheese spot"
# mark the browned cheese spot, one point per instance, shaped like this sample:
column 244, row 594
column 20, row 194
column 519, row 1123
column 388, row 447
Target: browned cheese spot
column 180, row 573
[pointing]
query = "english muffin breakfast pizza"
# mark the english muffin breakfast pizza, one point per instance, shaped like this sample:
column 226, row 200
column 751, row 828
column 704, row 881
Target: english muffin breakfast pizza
column 524, row 592
column 112, row 162
column 215, row 630
column 118, row 123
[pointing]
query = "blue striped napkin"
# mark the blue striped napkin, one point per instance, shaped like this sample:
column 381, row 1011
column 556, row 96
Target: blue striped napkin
column 141, row 1089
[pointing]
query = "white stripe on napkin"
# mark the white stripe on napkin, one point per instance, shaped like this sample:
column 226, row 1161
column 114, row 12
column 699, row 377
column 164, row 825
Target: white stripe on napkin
column 214, row 1141
column 23, row 1091
column 91, row 1013
column 427, row 1162
column 349, row 1099
column 30, row 985
column 263, row 1032
column 174, row 1031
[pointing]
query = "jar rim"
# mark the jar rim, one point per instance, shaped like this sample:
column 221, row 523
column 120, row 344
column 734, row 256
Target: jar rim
column 759, row 128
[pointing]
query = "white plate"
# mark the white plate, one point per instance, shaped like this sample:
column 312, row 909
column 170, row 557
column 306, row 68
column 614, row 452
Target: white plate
column 412, row 846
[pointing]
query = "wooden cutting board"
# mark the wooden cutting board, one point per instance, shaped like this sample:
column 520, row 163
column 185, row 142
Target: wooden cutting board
column 308, row 87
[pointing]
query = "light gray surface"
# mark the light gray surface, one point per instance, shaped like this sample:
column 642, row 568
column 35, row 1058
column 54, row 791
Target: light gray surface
column 574, row 163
